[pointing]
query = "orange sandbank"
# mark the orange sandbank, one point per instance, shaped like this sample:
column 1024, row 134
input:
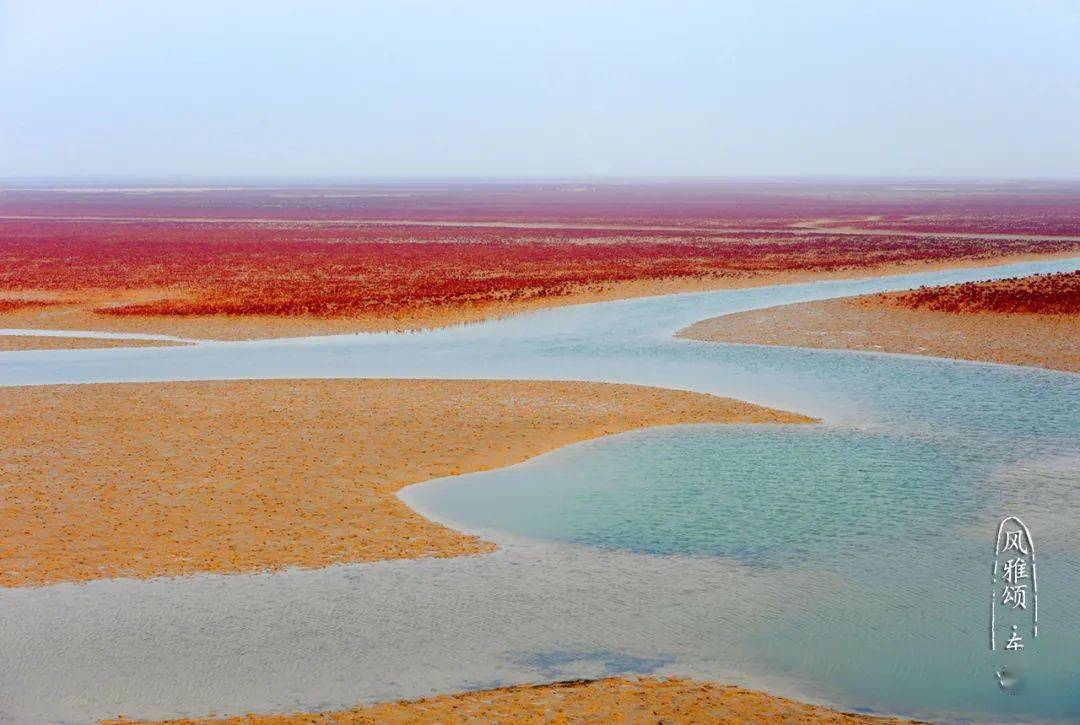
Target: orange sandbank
column 901, row 323
column 620, row 700
column 145, row 480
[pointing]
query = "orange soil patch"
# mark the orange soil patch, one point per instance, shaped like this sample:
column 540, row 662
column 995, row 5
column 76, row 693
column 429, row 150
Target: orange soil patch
column 957, row 321
column 618, row 700
column 144, row 480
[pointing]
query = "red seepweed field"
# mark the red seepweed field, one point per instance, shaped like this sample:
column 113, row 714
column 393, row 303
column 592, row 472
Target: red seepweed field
column 1042, row 294
column 415, row 252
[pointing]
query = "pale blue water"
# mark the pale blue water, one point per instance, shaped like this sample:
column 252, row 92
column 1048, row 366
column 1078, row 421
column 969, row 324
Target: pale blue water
column 890, row 505
column 766, row 498
column 904, row 523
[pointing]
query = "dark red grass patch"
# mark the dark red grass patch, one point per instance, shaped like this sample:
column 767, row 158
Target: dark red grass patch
column 1041, row 294
column 12, row 304
column 326, row 270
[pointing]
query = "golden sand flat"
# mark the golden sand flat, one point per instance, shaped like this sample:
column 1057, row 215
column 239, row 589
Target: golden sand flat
column 615, row 700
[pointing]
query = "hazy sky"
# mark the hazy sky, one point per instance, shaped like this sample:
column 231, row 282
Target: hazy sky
column 989, row 88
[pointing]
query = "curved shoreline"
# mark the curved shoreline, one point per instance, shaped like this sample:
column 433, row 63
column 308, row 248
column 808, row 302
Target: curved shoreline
column 583, row 700
column 413, row 494
column 302, row 482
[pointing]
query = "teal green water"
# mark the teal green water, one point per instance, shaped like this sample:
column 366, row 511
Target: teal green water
column 900, row 524
column 700, row 490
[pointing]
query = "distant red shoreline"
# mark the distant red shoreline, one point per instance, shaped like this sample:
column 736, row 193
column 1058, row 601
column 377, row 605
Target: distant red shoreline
column 167, row 262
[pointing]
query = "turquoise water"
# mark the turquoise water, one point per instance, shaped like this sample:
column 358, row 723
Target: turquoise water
column 902, row 523
column 765, row 498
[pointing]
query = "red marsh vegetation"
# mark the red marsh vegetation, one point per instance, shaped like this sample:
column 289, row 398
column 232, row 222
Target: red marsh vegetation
column 1042, row 294
column 327, row 270
column 12, row 304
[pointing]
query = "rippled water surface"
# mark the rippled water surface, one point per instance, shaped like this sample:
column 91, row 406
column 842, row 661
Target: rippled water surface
column 846, row 562
column 765, row 498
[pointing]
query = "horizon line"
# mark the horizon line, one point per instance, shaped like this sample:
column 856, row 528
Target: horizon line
column 47, row 182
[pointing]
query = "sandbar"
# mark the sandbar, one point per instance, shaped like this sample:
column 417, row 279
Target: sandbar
column 41, row 342
column 870, row 324
column 622, row 700
column 166, row 479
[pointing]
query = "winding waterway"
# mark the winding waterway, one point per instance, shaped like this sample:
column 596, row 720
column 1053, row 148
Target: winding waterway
column 844, row 563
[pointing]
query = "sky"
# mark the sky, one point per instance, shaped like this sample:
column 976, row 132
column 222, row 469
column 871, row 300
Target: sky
column 546, row 89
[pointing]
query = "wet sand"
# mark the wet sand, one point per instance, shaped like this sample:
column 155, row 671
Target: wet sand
column 147, row 480
column 626, row 700
column 81, row 316
column 869, row 323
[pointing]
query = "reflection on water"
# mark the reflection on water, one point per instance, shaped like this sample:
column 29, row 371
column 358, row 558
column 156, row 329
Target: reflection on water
column 595, row 663
column 847, row 561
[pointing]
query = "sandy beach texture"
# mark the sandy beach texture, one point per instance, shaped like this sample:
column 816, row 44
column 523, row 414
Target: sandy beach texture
column 145, row 480
column 66, row 314
column 619, row 700
column 870, row 323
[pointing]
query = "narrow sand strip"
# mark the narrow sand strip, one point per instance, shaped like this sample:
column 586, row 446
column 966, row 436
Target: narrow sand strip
column 41, row 342
column 625, row 700
column 1048, row 341
column 145, row 480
